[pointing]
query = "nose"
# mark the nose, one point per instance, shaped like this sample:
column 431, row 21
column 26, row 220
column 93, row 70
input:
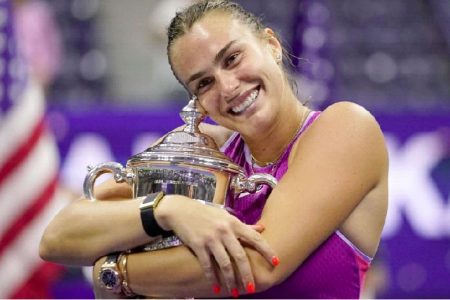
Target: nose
column 228, row 85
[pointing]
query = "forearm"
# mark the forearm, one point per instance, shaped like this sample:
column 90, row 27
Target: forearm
column 87, row 230
column 176, row 273
column 170, row 273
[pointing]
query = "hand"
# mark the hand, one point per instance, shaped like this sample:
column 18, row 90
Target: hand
column 212, row 231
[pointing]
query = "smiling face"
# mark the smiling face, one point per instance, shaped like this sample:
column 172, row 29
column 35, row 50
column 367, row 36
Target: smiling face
column 234, row 72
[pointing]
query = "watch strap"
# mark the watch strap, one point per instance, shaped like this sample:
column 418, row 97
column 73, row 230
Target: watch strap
column 147, row 208
column 111, row 259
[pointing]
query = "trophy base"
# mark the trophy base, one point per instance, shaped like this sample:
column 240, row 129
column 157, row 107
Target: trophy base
column 163, row 243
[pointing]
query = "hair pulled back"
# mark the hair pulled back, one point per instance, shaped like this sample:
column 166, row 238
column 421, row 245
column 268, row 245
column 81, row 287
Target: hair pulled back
column 183, row 20
column 186, row 18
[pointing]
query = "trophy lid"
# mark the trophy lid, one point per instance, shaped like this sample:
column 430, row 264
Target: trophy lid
column 187, row 146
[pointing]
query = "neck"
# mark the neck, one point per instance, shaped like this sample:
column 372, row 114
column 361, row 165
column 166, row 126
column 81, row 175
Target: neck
column 269, row 147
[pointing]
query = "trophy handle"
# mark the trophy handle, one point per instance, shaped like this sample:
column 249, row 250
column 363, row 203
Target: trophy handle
column 242, row 184
column 119, row 172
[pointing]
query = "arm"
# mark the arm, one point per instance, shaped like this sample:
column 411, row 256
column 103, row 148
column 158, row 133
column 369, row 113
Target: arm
column 337, row 163
column 83, row 231
column 340, row 162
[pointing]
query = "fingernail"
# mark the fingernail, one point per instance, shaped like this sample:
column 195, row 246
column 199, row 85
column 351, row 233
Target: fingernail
column 250, row 287
column 234, row 293
column 275, row 261
column 216, row 289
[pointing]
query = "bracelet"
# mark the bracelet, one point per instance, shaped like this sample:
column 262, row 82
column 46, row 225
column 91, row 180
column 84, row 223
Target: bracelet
column 122, row 262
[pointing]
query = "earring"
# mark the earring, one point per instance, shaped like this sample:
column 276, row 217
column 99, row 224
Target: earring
column 278, row 57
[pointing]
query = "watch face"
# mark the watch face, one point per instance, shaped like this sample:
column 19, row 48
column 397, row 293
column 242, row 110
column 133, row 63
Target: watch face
column 109, row 278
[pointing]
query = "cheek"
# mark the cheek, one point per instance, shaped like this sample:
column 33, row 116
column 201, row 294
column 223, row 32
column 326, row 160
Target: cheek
column 274, row 76
column 260, row 66
column 210, row 103
column 212, row 107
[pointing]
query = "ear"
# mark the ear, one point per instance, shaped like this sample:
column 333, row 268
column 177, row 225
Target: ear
column 272, row 41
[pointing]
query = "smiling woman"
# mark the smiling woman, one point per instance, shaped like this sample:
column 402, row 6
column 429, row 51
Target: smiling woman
column 241, row 66
column 312, row 236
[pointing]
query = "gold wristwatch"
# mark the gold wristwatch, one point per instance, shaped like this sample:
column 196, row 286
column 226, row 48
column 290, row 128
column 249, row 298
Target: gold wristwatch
column 110, row 277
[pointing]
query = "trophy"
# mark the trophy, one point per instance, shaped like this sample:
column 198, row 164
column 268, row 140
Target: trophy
column 184, row 162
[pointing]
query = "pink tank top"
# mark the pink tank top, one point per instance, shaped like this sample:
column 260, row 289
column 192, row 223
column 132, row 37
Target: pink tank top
column 335, row 269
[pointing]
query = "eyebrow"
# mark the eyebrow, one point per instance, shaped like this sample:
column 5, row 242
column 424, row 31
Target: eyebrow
column 218, row 57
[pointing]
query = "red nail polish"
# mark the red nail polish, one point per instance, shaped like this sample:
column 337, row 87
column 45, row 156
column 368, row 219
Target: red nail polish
column 234, row 293
column 250, row 287
column 275, row 261
column 216, row 289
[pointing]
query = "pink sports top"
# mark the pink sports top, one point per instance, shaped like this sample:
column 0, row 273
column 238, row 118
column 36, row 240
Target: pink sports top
column 335, row 269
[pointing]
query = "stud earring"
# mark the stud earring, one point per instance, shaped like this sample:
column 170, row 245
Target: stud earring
column 278, row 57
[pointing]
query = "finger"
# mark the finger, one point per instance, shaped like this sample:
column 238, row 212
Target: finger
column 225, row 265
column 258, row 227
column 255, row 240
column 241, row 261
column 208, row 268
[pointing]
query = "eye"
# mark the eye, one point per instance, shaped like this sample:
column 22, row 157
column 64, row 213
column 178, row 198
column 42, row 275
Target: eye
column 231, row 59
column 203, row 83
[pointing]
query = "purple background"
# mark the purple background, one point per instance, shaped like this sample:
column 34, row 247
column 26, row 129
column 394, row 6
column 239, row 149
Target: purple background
column 414, row 266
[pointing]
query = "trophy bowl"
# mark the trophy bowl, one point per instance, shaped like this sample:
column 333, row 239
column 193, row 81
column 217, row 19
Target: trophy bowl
column 184, row 162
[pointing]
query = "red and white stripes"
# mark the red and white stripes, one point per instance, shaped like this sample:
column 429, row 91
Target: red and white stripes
column 28, row 195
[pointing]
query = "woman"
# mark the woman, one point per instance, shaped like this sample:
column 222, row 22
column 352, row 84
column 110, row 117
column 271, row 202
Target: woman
column 319, row 226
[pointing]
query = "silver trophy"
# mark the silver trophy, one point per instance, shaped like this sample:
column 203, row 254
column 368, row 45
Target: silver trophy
column 185, row 162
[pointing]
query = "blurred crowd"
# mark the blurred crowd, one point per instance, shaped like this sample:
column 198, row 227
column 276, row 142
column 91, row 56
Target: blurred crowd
column 386, row 55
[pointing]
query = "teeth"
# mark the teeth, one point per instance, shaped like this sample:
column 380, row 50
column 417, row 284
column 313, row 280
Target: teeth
column 244, row 105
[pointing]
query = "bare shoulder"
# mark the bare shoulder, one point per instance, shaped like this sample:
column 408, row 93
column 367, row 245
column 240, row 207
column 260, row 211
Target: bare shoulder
column 358, row 156
column 346, row 112
column 335, row 165
column 218, row 133
column 346, row 130
column 349, row 119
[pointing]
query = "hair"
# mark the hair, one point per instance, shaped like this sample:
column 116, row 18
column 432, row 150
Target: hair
column 186, row 18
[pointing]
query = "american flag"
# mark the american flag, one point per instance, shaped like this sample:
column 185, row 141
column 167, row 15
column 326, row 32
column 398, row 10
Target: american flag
column 28, row 175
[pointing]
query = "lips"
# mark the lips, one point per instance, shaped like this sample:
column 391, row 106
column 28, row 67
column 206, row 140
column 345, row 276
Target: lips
column 243, row 104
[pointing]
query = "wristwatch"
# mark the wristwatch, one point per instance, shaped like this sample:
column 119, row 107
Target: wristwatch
column 109, row 276
column 147, row 209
